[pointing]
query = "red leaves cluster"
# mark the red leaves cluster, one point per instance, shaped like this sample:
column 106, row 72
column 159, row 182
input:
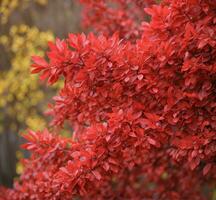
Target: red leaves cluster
column 143, row 113
column 124, row 16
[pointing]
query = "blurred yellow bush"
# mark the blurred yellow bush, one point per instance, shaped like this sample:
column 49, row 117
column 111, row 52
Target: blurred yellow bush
column 8, row 6
column 21, row 95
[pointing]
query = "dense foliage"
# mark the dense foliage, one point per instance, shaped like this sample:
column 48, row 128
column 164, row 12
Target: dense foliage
column 142, row 109
column 124, row 16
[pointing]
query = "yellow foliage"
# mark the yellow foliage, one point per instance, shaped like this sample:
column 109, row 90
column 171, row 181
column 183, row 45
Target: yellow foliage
column 8, row 6
column 42, row 2
column 21, row 94
column 19, row 165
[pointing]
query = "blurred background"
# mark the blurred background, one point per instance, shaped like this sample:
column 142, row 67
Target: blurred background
column 25, row 28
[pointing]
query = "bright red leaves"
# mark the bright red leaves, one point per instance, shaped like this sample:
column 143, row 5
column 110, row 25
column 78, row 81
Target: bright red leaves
column 143, row 110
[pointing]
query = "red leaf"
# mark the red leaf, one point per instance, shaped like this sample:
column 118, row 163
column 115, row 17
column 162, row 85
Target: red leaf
column 97, row 174
column 207, row 168
column 39, row 61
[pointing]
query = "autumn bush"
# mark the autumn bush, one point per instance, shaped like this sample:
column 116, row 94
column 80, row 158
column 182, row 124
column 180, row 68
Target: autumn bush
column 140, row 100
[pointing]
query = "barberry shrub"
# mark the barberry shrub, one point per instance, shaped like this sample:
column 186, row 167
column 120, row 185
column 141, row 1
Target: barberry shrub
column 142, row 109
